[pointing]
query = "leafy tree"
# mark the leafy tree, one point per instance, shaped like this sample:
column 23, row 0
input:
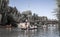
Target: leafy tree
column 35, row 16
column 10, row 15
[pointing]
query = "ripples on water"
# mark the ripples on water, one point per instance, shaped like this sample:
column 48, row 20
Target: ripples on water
column 41, row 32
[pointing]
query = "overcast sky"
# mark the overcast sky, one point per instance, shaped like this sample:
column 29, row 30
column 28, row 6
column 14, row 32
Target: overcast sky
column 40, row 7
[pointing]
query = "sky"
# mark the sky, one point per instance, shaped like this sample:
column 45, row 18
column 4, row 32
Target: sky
column 40, row 7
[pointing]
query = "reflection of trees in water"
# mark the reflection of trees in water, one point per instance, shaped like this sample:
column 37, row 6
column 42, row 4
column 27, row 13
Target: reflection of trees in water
column 35, row 33
column 30, row 33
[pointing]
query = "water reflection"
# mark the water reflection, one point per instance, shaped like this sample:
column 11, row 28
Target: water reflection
column 51, row 31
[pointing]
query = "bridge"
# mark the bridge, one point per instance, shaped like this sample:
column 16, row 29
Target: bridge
column 49, row 22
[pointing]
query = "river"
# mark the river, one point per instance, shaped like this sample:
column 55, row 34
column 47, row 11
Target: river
column 50, row 31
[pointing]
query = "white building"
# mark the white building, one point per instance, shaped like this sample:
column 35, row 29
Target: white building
column 23, row 25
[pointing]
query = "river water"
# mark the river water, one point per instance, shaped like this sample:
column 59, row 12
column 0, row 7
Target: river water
column 50, row 31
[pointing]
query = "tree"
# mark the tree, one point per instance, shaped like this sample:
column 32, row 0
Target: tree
column 9, row 14
column 35, row 19
column 35, row 16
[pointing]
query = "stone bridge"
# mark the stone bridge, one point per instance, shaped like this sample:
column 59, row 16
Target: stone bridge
column 49, row 22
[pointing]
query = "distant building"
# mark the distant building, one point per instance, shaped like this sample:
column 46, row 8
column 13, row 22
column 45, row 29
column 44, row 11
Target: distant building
column 28, row 12
column 43, row 18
